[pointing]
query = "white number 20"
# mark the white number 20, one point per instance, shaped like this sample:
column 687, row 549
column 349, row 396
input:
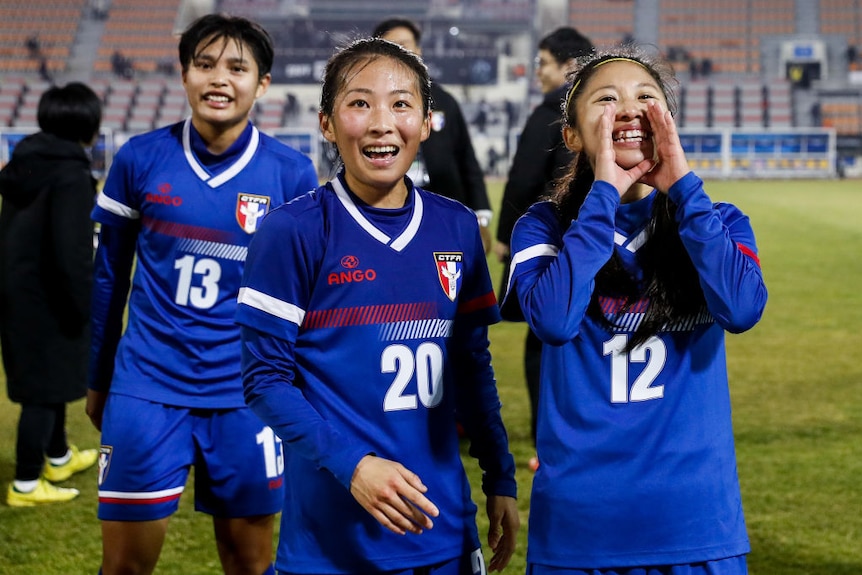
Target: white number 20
column 427, row 364
column 642, row 388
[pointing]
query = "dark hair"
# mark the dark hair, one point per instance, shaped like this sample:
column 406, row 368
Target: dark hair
column 214, row 27
column 670, row 283
column 566, row 43
column 359, row 54
column 73, row 112
column 391, row 23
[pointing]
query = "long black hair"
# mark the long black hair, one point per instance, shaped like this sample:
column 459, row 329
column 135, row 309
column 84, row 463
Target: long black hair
column 670, row 283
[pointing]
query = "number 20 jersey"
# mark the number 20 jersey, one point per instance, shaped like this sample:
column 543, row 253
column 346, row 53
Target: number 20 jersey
column 181, row 345
column 373, row 315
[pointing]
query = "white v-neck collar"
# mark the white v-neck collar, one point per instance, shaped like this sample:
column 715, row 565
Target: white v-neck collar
column 396, row 244
column 632, row 244
column 226, row 175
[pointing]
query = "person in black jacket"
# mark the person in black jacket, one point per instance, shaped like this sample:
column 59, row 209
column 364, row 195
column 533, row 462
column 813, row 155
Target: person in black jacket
column 46, row 276
column 540, row 158
column 446, row 163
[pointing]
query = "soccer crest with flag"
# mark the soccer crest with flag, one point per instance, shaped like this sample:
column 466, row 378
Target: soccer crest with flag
column 449, row 266
column 250, row 209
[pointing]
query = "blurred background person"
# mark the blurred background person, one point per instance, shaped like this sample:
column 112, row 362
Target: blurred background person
column 46, row 276
column 540, row 158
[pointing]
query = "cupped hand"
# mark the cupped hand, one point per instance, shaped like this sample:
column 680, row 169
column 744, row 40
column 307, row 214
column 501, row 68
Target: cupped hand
column 671, row 163
column 393, row 495
column 504, row 523
column 605, row 164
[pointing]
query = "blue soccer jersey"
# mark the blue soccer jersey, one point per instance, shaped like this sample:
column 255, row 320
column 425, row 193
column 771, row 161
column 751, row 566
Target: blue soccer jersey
column 365, row 332
column 636, row 447
column 193, row 226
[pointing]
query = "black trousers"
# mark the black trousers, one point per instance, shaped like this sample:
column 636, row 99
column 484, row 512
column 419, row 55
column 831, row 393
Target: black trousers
column 41, row 433
column 532, row 363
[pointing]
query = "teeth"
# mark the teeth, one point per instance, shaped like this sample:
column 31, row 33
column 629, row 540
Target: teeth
column 381, row 150
column 213, row 98
column 629, row 135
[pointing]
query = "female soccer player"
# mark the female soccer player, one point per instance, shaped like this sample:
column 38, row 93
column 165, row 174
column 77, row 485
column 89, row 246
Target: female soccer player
column 186, row 200
column 630, row 276
column 365, row 307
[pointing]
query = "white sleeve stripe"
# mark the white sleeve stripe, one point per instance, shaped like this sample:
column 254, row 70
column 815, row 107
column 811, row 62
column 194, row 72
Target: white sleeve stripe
column 528, row 254
column 115, row 207
column 266, row 303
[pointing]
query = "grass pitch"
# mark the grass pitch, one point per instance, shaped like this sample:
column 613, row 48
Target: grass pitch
column 796, row 384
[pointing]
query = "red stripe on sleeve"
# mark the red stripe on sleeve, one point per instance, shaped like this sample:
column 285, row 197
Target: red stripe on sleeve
column 481, row 302
column 747, row 251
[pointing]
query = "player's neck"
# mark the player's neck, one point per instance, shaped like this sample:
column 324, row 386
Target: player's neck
column 219, row 138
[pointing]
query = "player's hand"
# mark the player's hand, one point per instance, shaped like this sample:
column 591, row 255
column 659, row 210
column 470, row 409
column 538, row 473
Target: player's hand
column 95, row 407
column 485, row 233
column 501, row 250
column 503, row 529
column 606, row 167
column 671, row 163
column 393, row 495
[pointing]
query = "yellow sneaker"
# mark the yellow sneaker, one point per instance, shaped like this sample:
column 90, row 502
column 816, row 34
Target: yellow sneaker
column 79, row 461
column 44, row 493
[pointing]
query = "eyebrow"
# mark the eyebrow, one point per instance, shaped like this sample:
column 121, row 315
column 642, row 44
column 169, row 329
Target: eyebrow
column 613, row 87
column 369, row 91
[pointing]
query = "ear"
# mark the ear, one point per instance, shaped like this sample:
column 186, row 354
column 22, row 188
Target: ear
column 572, row 139
column 326, row 127
column 262, row 86
column 426, row 127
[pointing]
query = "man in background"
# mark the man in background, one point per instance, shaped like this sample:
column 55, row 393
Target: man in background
column 540, row 158
column 446, row 163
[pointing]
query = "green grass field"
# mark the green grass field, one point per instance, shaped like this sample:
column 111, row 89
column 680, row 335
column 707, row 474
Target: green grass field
column 796, row 383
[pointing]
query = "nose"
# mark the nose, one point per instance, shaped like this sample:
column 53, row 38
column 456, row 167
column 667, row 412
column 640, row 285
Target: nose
column 629, row 108
column 381, row 120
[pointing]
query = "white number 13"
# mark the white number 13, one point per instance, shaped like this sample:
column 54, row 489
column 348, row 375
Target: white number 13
column 642, row 388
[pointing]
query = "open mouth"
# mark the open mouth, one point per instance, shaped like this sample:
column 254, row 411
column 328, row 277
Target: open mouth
column 380, row 152
column 632, row 136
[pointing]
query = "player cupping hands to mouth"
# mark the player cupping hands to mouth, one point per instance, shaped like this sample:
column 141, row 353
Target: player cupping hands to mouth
column 630, row 275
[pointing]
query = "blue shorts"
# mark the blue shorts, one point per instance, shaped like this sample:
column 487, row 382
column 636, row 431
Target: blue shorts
column 472, row 564
column 148, row 449
column 730, row 566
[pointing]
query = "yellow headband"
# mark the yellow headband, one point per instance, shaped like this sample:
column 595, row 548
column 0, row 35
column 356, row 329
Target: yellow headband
column 602, row 63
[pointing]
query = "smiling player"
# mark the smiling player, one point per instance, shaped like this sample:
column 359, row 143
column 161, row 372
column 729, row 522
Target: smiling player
column 365, row 307
column 186, row 200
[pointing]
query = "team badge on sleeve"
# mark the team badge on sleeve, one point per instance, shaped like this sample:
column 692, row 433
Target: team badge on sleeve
column 250, row 209
column 449, row 268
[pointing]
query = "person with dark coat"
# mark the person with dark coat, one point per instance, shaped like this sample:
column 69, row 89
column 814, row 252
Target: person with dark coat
column 46, row 275
column 540, row 159
column 446, row 163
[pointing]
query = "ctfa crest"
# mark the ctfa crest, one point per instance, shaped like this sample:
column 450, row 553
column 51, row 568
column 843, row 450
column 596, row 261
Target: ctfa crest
column 250, row 209
column 449, row 268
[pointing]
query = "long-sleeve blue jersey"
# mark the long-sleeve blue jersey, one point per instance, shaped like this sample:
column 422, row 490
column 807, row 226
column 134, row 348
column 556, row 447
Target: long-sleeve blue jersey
column 189, row 224
column 636, row 447
column 365, row 331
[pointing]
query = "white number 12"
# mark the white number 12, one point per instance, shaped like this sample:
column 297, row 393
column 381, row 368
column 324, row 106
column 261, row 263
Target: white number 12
column 642, row 388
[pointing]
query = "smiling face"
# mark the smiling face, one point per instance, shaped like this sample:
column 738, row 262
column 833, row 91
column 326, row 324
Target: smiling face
column 377, row 123
column 627, row 86
column 222, row 83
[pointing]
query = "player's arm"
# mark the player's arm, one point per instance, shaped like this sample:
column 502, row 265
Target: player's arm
column 478, row 410
column 721, row 244
column 391, row 493
column 111, row 281
column 553, row 278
